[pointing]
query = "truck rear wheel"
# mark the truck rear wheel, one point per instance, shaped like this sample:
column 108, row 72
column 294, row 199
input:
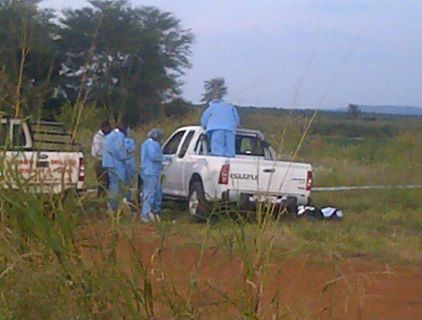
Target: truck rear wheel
column 198, row 206
column 291, row 206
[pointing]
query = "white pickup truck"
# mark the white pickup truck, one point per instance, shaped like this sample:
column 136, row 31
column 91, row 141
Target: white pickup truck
column 254, row 175
column 39, row 157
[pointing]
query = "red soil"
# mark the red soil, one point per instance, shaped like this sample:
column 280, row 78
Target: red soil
column 300, row 287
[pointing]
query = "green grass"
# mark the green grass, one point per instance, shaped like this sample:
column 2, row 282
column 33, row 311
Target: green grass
column 45, row 273
column 379, row 225
column 382, row 224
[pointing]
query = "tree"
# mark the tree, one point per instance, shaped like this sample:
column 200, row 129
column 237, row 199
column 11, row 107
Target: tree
column 177, row 108
column 214, row 89
column 126, row 60
column 27, row 52
column 353, row 110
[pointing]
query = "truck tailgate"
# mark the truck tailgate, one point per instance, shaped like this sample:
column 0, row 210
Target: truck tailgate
column 59, row 170
column 268, row 177
column 43, row 171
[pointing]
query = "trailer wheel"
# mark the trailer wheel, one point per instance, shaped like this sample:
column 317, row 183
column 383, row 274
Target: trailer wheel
column 198, row 206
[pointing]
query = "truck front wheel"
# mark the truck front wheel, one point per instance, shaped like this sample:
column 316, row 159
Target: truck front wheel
column 198, row 206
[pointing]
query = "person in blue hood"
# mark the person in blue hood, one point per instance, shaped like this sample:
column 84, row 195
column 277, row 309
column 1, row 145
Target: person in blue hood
column 220, row 120
column 151, row 168
column 115, row 156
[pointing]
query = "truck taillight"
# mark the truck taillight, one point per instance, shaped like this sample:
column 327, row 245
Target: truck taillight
column 81, row 170
column 309, row 181
column 224, row 174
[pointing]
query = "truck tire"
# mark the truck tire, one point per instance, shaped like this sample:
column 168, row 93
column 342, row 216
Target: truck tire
column 198, row 206
column 291, row 206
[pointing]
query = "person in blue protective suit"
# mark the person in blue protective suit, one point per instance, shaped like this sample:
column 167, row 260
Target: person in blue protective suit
column 130, row 166
column 151, row 168
column 220, row 121
column 115, row 156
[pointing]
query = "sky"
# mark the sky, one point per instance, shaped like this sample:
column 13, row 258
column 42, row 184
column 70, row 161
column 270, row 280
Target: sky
column 301, row 53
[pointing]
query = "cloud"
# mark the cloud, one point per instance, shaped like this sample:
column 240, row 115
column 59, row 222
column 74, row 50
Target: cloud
column 343, row 7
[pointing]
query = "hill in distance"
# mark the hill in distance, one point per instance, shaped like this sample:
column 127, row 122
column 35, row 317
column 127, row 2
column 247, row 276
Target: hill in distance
column 394, row 110
column 375, row 109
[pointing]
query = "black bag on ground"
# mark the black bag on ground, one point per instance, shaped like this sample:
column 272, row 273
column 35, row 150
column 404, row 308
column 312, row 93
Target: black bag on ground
column 327, row 213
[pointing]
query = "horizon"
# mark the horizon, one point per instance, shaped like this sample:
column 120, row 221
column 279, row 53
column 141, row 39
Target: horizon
column 336, row 109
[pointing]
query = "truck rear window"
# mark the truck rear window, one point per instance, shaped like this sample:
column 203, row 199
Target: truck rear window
column 245, row 145
column 249, row 146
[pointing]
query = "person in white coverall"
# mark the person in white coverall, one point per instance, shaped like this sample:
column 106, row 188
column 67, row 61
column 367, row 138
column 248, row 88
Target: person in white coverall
column 97, row 150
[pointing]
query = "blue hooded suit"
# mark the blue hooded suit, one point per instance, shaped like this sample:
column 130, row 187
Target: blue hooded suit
column 115, row 157
column 151, row 168
column 221, row 120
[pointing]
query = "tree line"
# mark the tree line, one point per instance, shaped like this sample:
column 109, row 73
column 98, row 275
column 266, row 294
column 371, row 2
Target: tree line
column 127, row 61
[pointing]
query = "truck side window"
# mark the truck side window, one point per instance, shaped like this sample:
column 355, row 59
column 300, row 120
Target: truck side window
column 269, row 152
column 173, row 144
column 203, row 145
column 4, row 128
column 18, row 136
column 186, row 144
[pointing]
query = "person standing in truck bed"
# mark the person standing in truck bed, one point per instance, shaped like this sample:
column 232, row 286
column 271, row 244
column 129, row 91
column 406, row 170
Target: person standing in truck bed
column 97, row 151
column 220, row 120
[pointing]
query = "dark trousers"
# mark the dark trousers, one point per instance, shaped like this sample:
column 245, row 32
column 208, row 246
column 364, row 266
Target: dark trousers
column 102, row 178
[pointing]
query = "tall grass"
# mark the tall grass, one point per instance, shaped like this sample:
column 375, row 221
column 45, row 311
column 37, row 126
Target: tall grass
column 65, row 260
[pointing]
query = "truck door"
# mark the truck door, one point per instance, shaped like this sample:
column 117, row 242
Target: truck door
column 175, row 170
column 18, row 162
column 171, row 174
